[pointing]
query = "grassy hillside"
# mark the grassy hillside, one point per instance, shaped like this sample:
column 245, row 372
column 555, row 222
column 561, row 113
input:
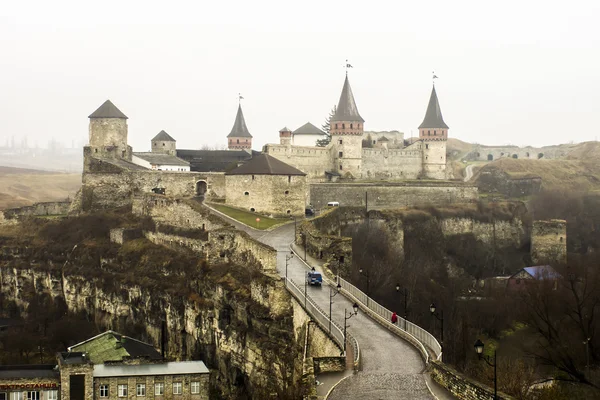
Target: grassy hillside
column 566, row 175
column 20, row 187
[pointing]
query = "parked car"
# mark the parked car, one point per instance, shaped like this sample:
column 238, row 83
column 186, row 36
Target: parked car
column 333, row 204
column 314, row 278
column 309, row 212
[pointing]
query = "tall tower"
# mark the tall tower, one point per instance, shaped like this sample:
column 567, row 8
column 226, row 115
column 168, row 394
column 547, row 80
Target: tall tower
column 285, row 136
column 434, row 134
column 239, row 138
column 108, row 133
column 164, row 143
column 346, row 129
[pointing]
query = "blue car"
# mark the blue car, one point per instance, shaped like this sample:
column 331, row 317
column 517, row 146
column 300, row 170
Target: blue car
column 314, row 278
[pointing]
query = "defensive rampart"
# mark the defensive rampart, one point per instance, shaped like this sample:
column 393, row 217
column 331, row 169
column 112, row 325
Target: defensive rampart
column 391, row 195
column 37, row 209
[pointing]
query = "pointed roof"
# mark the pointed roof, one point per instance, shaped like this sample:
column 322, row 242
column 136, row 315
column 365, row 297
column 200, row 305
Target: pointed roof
column 265, row 165
column 285, row 129
column 239, row 127
column 308, row 129
column 163, row 136
column 433, row 116
column 346, row 109
column 107, row 110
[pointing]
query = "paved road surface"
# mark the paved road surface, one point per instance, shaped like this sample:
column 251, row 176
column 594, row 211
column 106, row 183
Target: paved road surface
column 391, row 368
column 468, row 172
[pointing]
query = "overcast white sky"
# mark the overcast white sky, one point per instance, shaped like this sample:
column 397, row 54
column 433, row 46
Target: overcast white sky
column 510, row 72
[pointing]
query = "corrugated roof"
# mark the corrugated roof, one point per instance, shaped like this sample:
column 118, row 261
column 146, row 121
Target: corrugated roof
column 28, row 371
column 433, row 116
column 112, row 346
column 265, row 165
column 164, row 136
column 169, row 368
column 308, row 129
column 161, row 159
column 346, row 109
column 107, row 110
column 239, row 126
column 542, row 272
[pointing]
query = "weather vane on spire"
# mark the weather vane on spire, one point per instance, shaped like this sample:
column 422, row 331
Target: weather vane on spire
column 348, row 65
column 434, row 77
column 240, row 98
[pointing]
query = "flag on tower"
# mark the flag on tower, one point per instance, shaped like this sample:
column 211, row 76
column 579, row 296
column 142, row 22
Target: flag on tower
column 349, row 66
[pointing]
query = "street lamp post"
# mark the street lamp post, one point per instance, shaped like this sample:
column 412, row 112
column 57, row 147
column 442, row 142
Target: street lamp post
column 295, row 228
column 331, row 296
column 440, row 318
column 346, row 318
column 405, row 303
column 366, row 273
column 288, row 258
column 479, row 350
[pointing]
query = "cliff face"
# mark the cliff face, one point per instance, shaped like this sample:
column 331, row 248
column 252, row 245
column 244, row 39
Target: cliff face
column 250, row 346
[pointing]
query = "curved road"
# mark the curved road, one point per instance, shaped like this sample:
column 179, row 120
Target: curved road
column 468, row 172
column 391, row 368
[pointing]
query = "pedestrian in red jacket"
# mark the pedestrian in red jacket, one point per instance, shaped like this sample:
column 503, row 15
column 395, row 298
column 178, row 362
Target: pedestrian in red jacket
column 394, row 318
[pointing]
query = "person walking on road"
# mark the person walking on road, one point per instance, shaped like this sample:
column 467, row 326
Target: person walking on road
column 394, row 318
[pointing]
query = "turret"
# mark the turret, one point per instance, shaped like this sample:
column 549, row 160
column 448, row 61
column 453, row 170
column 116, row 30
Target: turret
column 433, row 131
column 239, row 138
column 346, row 129
column 164, row 143
column 285, row 136
column 108, row 133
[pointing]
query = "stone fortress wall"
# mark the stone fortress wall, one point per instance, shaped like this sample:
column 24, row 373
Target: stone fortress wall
column 310, row 160
column 385, row 163
column 484, row 153
column 37, row 209
column 392, row 195
column 549, row 241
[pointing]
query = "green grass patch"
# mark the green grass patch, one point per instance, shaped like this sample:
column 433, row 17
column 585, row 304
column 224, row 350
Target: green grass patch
column 249, row 218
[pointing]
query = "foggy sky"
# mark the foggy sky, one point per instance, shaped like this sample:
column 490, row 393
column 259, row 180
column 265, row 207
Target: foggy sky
column 512, row 72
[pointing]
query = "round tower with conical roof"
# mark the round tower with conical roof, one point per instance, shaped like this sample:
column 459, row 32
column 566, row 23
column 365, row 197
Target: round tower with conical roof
column 239, row 138
column 346, row 128
column 433, row 132
column 108, row 133
column 285, row 136
column 163, row 143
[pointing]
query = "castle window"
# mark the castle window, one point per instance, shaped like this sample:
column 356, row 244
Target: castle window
column 286, row 192
column 252, row 177
column 561, row 239
column 141, row 389
column 434, row 133
column 336, row 126
column 289, row 211
column 426, row 158
column 252, row 209
column 428, row 133
column 340, row 166
column 340, row 154
column 246, row 194
column 96, row 150
column 343, row 126
column 238, row 140
column 374, row 141
column 163, row 145
column 350, row 125
column 289, row 179
column 177, row 387
column 154, row 144
column 426, row 146
column 340, row 141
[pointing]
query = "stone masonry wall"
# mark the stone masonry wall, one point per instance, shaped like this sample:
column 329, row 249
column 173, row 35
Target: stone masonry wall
column 313, row 161
column 461, row 386
column 38, row 209
column 274, row 195
column 391, row 195
column 391, row 164
column 149, row 381
column 549, row 242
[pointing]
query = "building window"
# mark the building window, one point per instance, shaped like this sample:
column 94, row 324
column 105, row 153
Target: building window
column 336, row 126
column 289, row 178
column 16, row 396
column 163, row 145
column 246, row 194
column 122, row 390
column 340, row 141
column 238, row 140
column 374, row 141
column 33, row 395
column 140, row 389
column 351, row 125
column 103, row 390
column 340, row 167
column 340, row 154
column 176, row 387
column 159, row 389
column 252, row 177
column 343, row 126
column 426, row 146
column 434, row 133
column 195, row 386
column 288, row 192
column 52, row 395
column 3, row 396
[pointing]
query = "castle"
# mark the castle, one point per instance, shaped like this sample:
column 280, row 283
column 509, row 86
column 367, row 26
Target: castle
column 350, row 156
